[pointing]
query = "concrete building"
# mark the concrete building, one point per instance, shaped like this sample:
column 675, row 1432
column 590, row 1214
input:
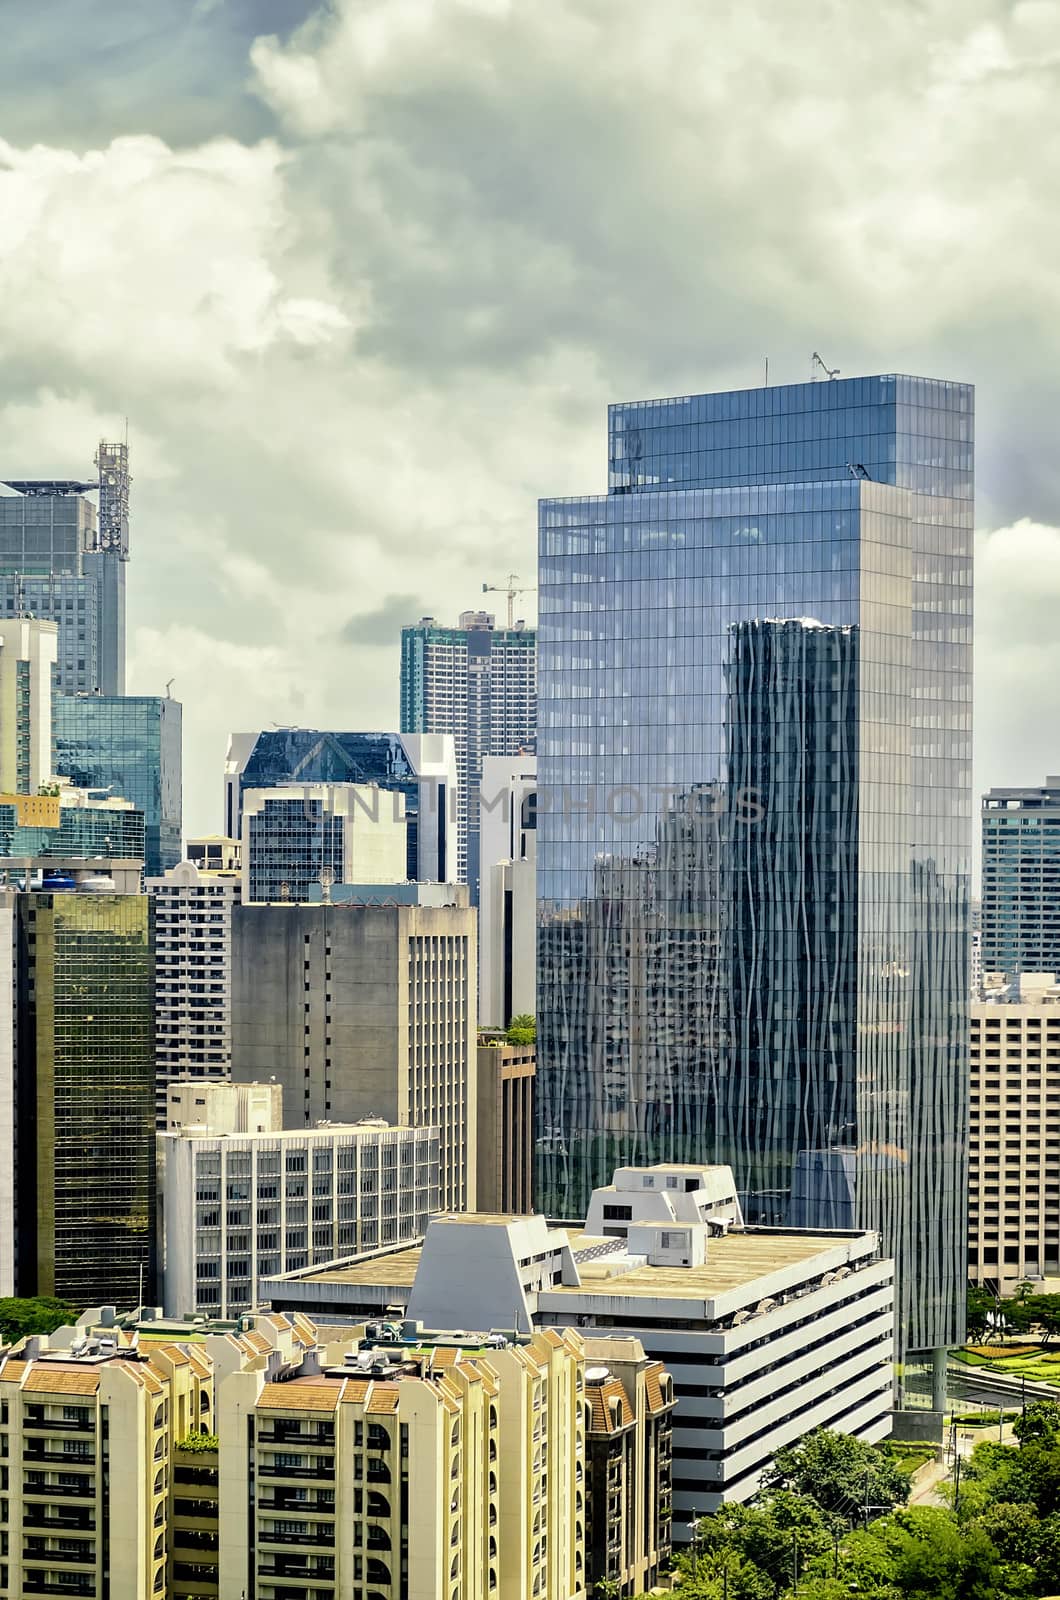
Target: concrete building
column 1021, row 880
column 76, row 823
column 237, row 1204
column 364, row 1011
column 64, row 560
column 768, row 1332
column 218, row 1109
column 507, row 933
column 77, row 1107
column 193, row 970
column 1014, row 1143
column 485, row 1440
column 420, row 768
column 295, row 835
column 478, row 683
column 629, row 1439
column 93, row 1428
column 215, row 852
column 505, row 1125
column 29, row 649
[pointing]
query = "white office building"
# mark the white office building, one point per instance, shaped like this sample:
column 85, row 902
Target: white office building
column 507, row 943
column 28, row 653
column 769, row 1332
column 193, row 972
column 234, row 1207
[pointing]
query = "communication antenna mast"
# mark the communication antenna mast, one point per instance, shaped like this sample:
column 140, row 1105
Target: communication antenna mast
column 510, row 590
column 112, row 463
column 816, row 362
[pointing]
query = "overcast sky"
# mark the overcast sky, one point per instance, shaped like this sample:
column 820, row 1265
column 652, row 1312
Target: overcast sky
column 363, row 276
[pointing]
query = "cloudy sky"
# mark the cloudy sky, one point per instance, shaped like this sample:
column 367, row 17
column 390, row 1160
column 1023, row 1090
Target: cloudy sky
column 364, row 275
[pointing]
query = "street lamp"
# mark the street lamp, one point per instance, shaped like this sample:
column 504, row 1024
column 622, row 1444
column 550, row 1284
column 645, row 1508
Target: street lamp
column 693, row 1533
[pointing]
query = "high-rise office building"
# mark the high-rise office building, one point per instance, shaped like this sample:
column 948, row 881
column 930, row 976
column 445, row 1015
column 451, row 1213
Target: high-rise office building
column 418, row 771
column 505, row 1125
column 1020, row 913
column 507, row 927
column 81, row 1151
column 131, row 745
column 754, row 828
column 235, row 1205
column 28, row 653
column 193, row 971
column 72, row 823
column 1014, row 1158
column 478, row 683
column 62, row 559
column 303, row 834
column 364, row 1010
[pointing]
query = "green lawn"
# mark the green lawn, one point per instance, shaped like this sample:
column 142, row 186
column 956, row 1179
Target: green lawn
column 1043, row 1366
column 908, row 1457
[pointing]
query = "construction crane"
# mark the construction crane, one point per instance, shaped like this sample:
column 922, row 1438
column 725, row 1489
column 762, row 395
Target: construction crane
column 511, row 591
column 815, row 362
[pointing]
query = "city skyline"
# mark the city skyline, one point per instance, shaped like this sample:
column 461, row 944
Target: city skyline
column 345, row 397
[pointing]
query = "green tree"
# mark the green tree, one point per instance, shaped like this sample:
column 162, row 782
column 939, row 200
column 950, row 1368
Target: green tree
column 780, row 1531
column 981, row 1305
column 1039, row 1423
column 920, row 1552
column 522, row 1029
column 39, row 1315
column 839, row 1474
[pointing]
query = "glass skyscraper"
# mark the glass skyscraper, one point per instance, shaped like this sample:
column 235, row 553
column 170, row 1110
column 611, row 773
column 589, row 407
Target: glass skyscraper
column 62, row 559
column 130, row 744
column 754, row 814
column 1021, row 880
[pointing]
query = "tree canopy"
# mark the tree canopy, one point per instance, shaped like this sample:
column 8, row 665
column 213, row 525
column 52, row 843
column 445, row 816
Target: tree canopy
column 39, row 1315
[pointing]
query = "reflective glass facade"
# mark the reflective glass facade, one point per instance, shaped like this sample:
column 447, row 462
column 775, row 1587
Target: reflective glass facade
column 755, row 814
column 291, row 843
column 130, row 744
column 82, row 831
column 86, row 1097
column 306, row 755
column 50, row 567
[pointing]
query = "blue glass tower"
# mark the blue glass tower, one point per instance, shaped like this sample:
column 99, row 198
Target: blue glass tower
column 130, row 744
column 755, row 811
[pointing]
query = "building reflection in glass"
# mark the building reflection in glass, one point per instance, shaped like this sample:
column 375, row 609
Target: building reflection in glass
column 754, row 793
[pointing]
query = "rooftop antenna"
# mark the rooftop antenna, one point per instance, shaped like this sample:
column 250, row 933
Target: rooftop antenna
column 816, row 362
column 510, row 590
column 169, row 684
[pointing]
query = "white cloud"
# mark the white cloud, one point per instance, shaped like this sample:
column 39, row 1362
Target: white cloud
column 353, row 353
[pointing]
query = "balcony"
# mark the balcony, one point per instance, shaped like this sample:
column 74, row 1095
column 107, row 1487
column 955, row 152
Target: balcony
column 64, row 1558
column 60, row 1491
column 38, row 1517
column 57, row 1425
column 316, row 1539
column 289, row 1504
column 36, row 1583
column 57, row 1455
column 296, row 1441
column 324, row 1471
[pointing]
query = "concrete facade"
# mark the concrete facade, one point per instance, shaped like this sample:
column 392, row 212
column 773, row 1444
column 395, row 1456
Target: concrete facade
column 506, row 1074
column 1014, row 1151
column 769, row 1333
column 363, row 1011
column 507, row 889
column 28, row 654
column 193, row 974
column 295, row 834
column 239, row 1205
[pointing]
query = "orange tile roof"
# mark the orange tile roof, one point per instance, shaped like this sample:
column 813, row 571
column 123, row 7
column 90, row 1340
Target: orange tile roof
column 657, row 1398
column 383, row 1400
column 46, row 1378
column 355, row 1389
column 301, row 1394
column 603, row 1416
column 13, row 1371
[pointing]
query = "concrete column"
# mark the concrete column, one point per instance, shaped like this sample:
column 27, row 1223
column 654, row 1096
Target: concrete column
column 939, row 1359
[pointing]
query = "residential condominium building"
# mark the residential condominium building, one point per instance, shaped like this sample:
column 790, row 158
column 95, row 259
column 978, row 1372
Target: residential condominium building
column 63, row 560
column 1014, row 1136
column 1020, row 915
column 302, row 834
column 756, row 640
column 420, row 768
column 507, row 929
column 93, row 1428
column 237, row 1206
column 768, row 1333
column 131, row 746
column 364, row 1011
column 433, row 1472
column 478, row 683
column 193, row 971
column 28, row 654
